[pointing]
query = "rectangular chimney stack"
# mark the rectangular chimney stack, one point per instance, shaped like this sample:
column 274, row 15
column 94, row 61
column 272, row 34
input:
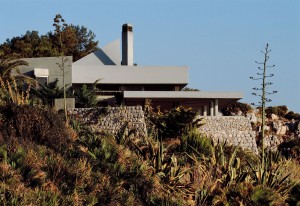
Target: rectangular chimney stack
column 127, row 45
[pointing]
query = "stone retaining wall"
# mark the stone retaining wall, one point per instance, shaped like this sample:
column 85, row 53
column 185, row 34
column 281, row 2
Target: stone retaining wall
column 112, row 120
column 235, row 130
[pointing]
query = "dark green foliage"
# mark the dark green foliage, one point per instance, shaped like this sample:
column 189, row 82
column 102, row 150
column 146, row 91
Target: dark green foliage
column 278, row 110
column 47, row 93
column 263, row 196
column 174, row 122
column 236, row 107
column 78, row 43
column 295, row 195
column 193, row 141
column 291, row 149
column 85, row 97
column 292, row 115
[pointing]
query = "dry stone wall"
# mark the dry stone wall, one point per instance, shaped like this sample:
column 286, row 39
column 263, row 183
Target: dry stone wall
column 112, row 120
column 235, row 130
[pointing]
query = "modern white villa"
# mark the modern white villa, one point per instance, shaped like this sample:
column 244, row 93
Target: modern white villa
column 139, row 85
column 123, row 82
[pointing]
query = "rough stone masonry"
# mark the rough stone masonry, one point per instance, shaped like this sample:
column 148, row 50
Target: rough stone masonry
column 235, row 130
column 112, row 120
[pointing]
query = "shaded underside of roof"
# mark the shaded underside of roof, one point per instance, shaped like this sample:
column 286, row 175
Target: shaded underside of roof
column 194, row 99
column 183, row 95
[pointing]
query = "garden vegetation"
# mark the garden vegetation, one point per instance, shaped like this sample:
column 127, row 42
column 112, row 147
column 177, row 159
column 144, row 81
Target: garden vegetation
column 45, row 160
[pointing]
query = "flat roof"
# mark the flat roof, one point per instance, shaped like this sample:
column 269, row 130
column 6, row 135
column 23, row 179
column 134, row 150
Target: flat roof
column 182, row 95
column 114, row 74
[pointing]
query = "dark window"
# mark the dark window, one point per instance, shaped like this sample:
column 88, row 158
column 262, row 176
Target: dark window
column 42, row 80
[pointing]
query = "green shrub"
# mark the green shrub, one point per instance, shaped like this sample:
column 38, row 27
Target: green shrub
column 47, row 93
column 193, row 141
column 85, row 97
column 292, row 115
column 278, row 110
column 174, row 122
column 236, row 107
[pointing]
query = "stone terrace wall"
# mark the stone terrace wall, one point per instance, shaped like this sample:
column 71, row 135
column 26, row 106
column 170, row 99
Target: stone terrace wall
column 112, row 120
column 235, row 130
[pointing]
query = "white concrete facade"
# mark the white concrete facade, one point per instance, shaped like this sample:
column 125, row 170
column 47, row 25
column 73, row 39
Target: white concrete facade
column 103, row 65
column 88, row 74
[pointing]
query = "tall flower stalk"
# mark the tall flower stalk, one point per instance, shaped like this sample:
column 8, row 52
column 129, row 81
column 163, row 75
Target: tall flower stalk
column 263, row 93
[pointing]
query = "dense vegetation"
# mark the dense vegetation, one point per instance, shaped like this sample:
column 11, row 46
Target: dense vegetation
column 46, row 161
column 77, row 41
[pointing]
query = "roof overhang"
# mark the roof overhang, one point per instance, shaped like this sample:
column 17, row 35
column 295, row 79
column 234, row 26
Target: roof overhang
column 182, row 95
column 193, row 99
column 88, row 74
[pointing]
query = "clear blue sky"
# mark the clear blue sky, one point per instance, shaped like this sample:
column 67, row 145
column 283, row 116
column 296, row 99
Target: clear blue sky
column 219, row 40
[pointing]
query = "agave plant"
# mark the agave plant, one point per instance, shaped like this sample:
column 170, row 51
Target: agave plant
column 274, row 174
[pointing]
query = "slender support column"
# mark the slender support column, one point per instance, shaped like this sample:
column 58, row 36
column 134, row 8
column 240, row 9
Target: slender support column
column 216, row 107
column 205, row 111
column 211, row 108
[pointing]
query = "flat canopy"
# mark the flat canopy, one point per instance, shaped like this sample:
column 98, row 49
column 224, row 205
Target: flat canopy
column 194, row 99
column 113, row 74
column 182, row 95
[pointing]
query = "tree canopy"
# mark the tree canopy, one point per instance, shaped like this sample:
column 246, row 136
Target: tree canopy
column 78, row 41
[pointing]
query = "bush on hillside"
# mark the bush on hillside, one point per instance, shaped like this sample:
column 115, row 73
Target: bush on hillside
column 172, row 123
column 292, row 115
column 277, row 110
column 85, row 97
column 236, row 107
column 41, row 125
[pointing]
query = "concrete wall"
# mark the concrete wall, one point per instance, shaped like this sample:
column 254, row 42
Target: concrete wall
column 50, row 63
column 235, row 130
column 60, row 104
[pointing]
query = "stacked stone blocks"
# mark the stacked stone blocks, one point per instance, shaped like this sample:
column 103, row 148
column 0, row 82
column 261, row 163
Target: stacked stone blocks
column 112, row 120
column 235, row 130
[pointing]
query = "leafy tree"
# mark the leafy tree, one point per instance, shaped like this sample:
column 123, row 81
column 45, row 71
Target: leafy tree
column 78, row 41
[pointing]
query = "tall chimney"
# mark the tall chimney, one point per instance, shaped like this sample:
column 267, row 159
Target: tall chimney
column 127, row 45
